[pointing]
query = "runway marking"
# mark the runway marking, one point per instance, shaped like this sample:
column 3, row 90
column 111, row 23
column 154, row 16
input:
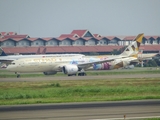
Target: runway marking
column 128, row 118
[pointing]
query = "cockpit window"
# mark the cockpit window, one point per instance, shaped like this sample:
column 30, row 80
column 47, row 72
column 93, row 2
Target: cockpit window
column 12, row 63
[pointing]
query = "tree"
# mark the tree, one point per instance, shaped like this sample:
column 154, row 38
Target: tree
column 122, row 49
column 157, row 60
column 115, row 52
column 150, row 63
column 93, row 53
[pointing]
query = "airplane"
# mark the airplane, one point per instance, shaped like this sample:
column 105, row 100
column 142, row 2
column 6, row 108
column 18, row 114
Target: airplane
column 77, row 64
column 4, row 58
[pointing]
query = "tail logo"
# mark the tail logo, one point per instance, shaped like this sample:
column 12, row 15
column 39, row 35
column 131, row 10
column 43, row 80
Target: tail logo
column 133, row 49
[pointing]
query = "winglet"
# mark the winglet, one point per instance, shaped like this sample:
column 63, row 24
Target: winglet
column 2, row 53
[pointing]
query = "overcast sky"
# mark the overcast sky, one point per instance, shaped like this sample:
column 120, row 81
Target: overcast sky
column 51, row 18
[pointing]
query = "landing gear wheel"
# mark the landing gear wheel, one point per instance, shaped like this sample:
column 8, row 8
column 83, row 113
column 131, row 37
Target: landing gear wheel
column 82, row 74
column 18, row 75
column 72, row 75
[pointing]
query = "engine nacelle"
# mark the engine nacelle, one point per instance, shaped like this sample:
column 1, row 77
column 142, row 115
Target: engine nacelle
column 70, row 69
column 50, row 73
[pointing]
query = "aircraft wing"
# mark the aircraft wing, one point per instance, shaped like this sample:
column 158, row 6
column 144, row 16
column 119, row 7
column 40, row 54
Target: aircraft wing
column 89, row 64
column 6, row 60
column 147, row 56
column 144, row 57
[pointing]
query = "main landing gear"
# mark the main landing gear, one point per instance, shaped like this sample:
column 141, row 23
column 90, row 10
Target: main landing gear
column 79, row 74
column 82, row 74
column 18, row 75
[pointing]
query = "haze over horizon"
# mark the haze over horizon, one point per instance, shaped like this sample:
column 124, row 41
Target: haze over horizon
column 51, row 18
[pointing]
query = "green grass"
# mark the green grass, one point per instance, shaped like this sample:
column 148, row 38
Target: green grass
column 79, row 91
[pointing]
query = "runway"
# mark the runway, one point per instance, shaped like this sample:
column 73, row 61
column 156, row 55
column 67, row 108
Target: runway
column 48, row 78
column 82, row 111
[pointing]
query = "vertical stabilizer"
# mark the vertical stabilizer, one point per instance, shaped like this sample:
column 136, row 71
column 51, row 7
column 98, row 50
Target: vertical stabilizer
column 133, row 49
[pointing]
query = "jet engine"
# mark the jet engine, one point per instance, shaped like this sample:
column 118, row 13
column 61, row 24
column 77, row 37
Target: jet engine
column 50, row 73
column 70, row 69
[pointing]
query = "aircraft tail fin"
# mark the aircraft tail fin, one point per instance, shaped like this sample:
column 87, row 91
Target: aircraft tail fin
column 2, row 53
column 133, row 49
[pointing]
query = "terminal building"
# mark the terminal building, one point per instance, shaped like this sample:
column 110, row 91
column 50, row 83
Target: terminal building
column 78, row 41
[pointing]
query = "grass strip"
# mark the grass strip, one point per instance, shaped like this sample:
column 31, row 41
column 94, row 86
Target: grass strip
column 78, row 91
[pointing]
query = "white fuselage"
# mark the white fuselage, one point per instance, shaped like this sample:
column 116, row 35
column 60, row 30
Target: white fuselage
column 56, row 63
column 42, row 64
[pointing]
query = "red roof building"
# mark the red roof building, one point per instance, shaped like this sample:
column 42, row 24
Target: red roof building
column 15, row 36
column 78, row 41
